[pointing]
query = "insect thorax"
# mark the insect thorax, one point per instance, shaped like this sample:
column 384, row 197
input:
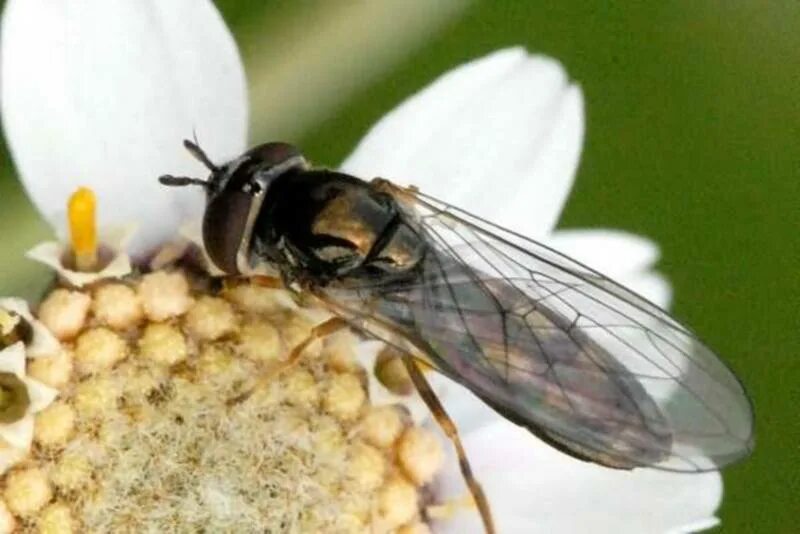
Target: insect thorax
column 328, row 226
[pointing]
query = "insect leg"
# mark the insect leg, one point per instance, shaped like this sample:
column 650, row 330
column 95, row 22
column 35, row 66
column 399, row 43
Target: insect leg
column 271, row 282
column 334, row 324
column 449, row 428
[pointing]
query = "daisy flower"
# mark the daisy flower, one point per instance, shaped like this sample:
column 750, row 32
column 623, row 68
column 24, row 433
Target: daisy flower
column 20, row 398
column 100, row 94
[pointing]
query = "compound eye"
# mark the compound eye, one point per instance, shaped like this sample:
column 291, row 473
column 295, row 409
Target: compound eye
column 272, row 154
column 225, row 228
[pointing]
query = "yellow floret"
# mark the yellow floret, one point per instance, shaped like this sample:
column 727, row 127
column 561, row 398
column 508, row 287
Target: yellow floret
column 118, row 306
column 382, row 426
column 27, row 491
column 259, row 341
column 10, row 456
column 64, row 312
column 55, row 519
column 355, row 513
column 344, row 396
column 7, row 521
column 54, row 371
column 164, row 344
column 340, row 351
column 164, row 295
column 72, row 472
column 211, row 318
column 367, row 466
column 138, row 380
column 350, row 524
column 96, row 397
column 99, row 349
column 292, row 427
column 295, row 329
column 54, row 425
column 132, row 433
column 391, row 372
column 261, row 300
column 329, row 439
column 420, row 454
column 215, row 361
column 300, row 388
column 311, row 521
column 397, row 502
column 414, row 528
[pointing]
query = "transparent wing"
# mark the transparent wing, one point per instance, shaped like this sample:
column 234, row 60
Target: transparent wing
column 552, row 345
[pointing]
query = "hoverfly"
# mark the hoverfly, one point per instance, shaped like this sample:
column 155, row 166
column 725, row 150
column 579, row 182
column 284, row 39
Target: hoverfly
column 552, row 345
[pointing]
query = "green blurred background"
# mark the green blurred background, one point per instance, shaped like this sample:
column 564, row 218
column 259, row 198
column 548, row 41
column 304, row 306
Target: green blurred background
column 693, row 139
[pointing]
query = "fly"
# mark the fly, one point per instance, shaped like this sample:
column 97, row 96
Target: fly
column 587, row 365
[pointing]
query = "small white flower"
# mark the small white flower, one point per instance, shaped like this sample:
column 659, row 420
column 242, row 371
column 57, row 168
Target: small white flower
column 500, row 137
column 114, row 244
column 43, row 343
column 19, row 433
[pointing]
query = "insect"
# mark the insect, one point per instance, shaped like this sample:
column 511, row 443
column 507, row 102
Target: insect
column 552, row 345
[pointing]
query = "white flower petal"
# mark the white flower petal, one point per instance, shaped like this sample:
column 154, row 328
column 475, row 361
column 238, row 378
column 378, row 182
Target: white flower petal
column 534, row 488
column 169, row 253
column 41, row 395
column 43, row 343
column 612, row 252
column 624, row 257
column 18, row 434
column 698, row 526
column 499, row 136
column 12, row 359
column 651, row 285
column 101, row 94
column 115, row 239
column 467, row 411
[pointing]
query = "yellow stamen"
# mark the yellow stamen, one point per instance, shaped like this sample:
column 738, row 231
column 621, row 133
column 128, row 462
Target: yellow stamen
column 83, row 228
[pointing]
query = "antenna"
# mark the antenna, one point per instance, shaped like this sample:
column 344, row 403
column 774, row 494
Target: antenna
column 181, row 181
column 195, row 150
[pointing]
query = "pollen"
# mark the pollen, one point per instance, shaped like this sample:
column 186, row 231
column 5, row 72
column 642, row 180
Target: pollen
column 99, row 349
column 344, row 396
column 397, row 502
column 382, row 426
column 65, row 312
column 165, row 421
column 164, row 295
column 56, row 519
column 211, row 318
column 420, row 455
column 27, row 491
column 83, row 228
column 117, row 306
column 54, row 371
column 163, row 344
column 54, row 425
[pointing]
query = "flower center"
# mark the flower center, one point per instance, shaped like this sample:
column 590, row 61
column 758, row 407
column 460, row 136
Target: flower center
column 13, row 329
column 14, row 399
